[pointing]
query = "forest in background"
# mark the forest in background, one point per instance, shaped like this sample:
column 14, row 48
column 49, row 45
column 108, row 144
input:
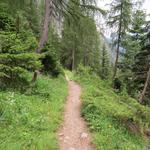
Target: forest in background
column 39, row 39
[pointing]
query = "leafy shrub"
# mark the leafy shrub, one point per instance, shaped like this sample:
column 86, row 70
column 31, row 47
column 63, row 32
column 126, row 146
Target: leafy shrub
column 6, row 22
column 82, row 70
column 117, row 84
column 50, row 61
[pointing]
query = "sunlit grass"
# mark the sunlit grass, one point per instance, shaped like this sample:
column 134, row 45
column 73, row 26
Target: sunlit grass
column 29, row 121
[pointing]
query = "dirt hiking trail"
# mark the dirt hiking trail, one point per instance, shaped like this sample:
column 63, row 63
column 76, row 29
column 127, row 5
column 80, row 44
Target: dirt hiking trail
column 73, row 134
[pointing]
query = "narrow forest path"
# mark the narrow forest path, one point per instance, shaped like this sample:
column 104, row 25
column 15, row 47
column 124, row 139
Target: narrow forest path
column 73, row 134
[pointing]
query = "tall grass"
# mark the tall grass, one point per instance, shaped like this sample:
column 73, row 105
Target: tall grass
column 115, row 120
column 29, row 120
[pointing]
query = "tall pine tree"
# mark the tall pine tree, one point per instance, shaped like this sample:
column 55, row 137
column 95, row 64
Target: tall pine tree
column 120, row 18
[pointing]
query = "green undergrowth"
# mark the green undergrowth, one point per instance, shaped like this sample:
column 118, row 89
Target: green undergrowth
column 116, row 121
column 29, row 120
column 69, row 74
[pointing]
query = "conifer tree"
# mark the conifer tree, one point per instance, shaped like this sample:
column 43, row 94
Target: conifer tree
column 80, row 39
column 104, row 72
column 132, row 45
column 51, row 54
column 17, row 56
column 141, row 68
column 120, row 18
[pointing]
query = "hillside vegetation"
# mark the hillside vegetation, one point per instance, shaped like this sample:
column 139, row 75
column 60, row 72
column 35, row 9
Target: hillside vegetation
column 29, row 120
column 116, row 121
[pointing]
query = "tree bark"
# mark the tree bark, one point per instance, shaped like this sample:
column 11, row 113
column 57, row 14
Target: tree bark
column 118, row 43
column 145, row 86
column 73, row 59
column 44, row 35
column 85, row 57
column 47, row 18
column 34, row 78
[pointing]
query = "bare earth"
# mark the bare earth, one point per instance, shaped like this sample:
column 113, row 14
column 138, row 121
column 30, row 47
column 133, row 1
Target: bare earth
column 73, row 134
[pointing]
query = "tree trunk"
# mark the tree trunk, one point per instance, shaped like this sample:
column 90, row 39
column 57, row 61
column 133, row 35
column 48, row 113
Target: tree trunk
column 34, row 76
column 145, row 86
column 47, row 18
column 85, row 57
column 73, row 59
column 44, row 34
column 18, row 24
column 118, row 43
column 103, row 58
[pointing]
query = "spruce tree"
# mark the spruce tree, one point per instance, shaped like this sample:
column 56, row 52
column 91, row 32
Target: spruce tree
column 141, row 68
column 120, row 18
column 51, row 55
column 132, row 45
column 17, row 56
column 104, row 70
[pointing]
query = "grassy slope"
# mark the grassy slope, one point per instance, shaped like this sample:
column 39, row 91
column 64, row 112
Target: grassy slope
column 108, row 115
column 30, row 121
